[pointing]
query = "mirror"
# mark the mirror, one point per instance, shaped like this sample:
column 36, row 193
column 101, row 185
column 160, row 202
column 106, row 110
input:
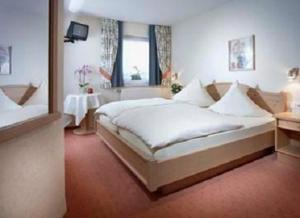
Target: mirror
column 24, row 61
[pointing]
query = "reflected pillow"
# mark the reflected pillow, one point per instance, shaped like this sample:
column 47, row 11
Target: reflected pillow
column 194, row 93
column 6, row 103
column 40, row 97
column 236, row 102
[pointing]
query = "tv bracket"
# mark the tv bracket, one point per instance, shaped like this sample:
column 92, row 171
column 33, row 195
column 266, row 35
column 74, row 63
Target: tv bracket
column 67, row 39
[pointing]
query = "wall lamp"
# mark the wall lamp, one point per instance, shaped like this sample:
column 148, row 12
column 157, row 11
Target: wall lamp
column 293, row 74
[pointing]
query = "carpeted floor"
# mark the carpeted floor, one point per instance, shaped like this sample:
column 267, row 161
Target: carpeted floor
column 98, row 185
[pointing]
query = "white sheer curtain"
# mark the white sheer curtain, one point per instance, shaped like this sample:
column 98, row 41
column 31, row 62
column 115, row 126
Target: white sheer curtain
column 109, row 45
column 164, row 50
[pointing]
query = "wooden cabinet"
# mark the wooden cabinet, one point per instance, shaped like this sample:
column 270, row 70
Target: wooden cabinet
column 288, row 133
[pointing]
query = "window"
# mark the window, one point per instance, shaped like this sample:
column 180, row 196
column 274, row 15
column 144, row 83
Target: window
column 136, row 61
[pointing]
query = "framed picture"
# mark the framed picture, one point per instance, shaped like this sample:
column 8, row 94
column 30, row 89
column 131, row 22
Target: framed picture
column 5, row 60
column 242, row 54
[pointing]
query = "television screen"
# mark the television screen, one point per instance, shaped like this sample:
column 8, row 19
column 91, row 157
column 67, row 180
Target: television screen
column 78, row 31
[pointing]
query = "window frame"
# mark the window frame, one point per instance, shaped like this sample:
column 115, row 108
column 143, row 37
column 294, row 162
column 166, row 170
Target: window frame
column 15, row 130
column 135, row 38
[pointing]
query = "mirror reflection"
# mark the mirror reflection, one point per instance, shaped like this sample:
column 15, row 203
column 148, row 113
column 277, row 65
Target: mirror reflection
column 24, row 41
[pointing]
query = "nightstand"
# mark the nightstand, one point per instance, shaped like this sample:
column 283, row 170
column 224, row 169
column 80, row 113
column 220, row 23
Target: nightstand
column 288, row 133
column 83, row 107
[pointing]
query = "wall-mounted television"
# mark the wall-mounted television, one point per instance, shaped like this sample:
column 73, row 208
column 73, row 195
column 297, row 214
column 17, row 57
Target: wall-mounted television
column 77, row 31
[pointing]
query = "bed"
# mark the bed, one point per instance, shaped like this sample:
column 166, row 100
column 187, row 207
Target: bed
column 183, row 163
column 23, row 114
column 20, row 94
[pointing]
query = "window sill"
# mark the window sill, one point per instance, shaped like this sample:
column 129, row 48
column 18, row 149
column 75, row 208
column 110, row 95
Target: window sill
column 136, row 83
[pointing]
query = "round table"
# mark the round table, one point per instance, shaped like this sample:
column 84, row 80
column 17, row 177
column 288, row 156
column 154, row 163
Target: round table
column 83, row 107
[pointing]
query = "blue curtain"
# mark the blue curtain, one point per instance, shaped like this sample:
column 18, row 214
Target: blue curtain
column 117, row 75
column 155, row 75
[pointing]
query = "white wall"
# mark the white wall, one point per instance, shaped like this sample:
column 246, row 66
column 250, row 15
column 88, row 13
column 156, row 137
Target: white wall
column 136, row 30
column 89, row 52
column 200, row 44
column 32, row 176
column 81, row 52
column 27, row 33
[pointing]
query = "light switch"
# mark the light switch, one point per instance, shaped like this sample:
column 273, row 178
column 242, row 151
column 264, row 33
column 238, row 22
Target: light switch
column 296, row 107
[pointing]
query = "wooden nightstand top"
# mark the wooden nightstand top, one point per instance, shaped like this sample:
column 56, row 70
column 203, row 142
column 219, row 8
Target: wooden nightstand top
column 289, row 116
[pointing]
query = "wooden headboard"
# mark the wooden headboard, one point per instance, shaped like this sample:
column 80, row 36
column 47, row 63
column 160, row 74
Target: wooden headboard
column 272, row 102
column 19, row 93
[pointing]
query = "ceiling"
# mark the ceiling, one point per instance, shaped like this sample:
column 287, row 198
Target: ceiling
column 28, row 6
column 144, row 11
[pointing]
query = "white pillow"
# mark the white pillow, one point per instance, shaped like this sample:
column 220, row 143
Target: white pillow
column 236, row 102
column 6, row 103
column 40, row 97
column 194, row 93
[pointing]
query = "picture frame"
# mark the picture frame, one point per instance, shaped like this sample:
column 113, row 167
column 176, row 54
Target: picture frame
column 5, row 60
column 242, row 54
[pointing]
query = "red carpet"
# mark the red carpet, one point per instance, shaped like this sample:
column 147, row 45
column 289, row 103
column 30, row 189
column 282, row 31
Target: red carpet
column 98, row 185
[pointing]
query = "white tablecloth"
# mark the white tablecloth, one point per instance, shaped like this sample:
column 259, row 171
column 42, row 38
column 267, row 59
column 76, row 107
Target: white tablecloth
column 78, row 105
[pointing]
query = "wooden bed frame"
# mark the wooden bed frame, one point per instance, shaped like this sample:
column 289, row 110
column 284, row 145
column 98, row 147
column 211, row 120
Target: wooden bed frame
column 173, row 174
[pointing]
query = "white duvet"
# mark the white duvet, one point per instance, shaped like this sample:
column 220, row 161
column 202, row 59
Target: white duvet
column 166, row 122
column 10, row 117
column 114, row 109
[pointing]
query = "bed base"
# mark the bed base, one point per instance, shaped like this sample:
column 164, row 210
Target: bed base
column 174, row 174
column 202, row 176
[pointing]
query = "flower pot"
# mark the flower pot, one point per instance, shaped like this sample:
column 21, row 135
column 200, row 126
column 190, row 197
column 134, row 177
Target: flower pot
column 82, row 90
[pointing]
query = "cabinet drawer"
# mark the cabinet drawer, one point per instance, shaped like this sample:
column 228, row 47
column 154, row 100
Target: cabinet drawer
column 289, row 125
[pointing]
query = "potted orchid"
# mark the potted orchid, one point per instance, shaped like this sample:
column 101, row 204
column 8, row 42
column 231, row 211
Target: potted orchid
column 136, row 75
column 82, row 74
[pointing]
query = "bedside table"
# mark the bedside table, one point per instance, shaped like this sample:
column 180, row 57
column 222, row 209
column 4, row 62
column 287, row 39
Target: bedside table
column 288, row 134
column 83, row 107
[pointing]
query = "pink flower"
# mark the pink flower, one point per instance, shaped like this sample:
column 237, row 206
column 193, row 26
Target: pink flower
column 82, row 73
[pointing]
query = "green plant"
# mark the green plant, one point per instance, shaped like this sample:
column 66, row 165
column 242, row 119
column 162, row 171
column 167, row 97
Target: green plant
column 84, row 85
column 176, row 87
column 136, row 75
